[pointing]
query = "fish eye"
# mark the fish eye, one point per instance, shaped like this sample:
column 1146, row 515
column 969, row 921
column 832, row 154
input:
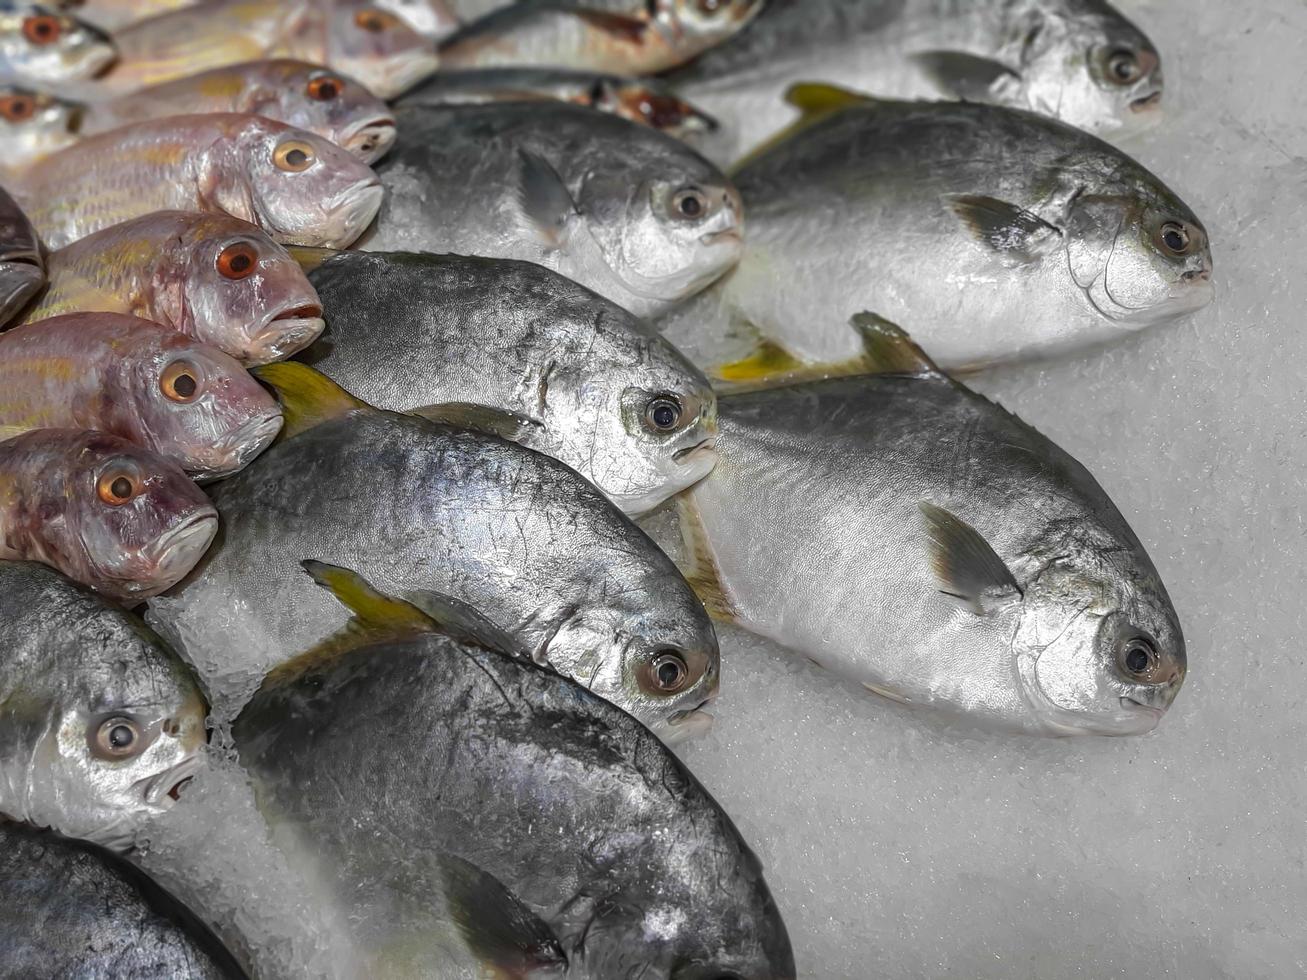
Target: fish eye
column 1174, row 238
column 180, row 382
column 118, row 485
column 1138, row 657
column 668, row 671
column 690, row 203
column 663, row 413
column 117, row 738
column 1123, row 67
column 17, row 108
column 237, row 261
column 42, row 29
column 662, row 111
column 711, row 7
column 294, row 156
column 374, row 21
column 324, row 88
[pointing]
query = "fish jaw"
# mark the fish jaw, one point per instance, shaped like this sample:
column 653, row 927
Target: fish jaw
column 177, row 552
column 370, row 139
column 349, row 215
column 240, row 448
column 285, row 333
column 19, row 282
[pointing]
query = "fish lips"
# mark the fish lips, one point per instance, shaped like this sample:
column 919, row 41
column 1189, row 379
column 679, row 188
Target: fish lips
column 353, row 210
column 284, row 333
column 241, row 447
column 19, row 282
column 370, row 139
column 177, row 551
column 161, row 790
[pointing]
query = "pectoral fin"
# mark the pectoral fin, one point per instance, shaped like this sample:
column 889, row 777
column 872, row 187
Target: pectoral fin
column 546, row 203
column 962, row 75
column 1012, row 232
column 308, row 397
column 480, row 418
column 966, row 566
column 701, row 569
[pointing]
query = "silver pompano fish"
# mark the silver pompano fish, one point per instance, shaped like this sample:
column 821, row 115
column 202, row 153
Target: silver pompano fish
column 1080, row 61
column 641, row 100
column 606, row 858
column 34, row 124
column 42, row 44
column 296, row 93
column 965, row 562
column 106, row 513
column 632, row 214
column 22, row 271
column 74, row 910
column 219, row 279
column 145, row 382
column 295, row 185
column 99, row 721
column 416, row 506
column 587, row 382
column 1001, row 233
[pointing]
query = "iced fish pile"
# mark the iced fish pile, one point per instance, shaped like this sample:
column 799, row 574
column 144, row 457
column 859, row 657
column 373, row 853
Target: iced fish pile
column 344, row 343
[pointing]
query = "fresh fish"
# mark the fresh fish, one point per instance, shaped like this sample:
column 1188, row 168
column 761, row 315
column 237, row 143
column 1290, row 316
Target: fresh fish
column 100, row 723
column 966, row 562
column 419, row 506
column 642, row 100
column 353, row 37
column 592, row 385
column 106, row 513
column 34, row 124
column 632, row 214
column 622, row 36
column 73, row 910
column 22, row 270
column 216, row 278
column 1080, row 61
column 480, row 816
column 297, row 186
column 41, row 44
column 296, row 93
column 145, row 382
column 1001, row 233
column 431, row 18
column 114, row 15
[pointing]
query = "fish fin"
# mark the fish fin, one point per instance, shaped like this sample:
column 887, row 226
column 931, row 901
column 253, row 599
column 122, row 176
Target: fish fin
column 1009, row 230
column 545, row 200
column 307, row 397
column 768, row 361
column 889, row 349
column 885, row 692
column 815, row 101
column 310, row 258
column 962, row 75
column 480, row 418
column 512, row 942
column 701, row 569
column 965, row 564
column 618, row 26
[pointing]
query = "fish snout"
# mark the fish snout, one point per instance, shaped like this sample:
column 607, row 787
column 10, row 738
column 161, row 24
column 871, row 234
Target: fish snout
column 286, row 333
column 353, row 210
column 370, row 140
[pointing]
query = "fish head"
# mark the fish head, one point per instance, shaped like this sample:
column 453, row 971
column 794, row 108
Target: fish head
column 197, row 405
column 1099, row 646
column 1085, row 64
column 1139, row 258
column 696, row 25
column 431, row 18
column 306, row 190
column 129, row 523
column 41, row 44
column 34, row 124
column 377, row 47
column 649, row 104
column 243, row 293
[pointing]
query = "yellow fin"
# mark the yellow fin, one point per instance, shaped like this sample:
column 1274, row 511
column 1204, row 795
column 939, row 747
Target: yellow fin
column 307, row 397
column 310, row 258
column 701, row 569
column 815, row 101
column 768, row 361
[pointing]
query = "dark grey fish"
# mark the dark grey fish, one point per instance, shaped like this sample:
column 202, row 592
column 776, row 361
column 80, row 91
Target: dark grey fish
column 22, row 269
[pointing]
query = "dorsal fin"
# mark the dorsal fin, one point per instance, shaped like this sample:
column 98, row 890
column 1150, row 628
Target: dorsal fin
column 889, row 349
column 307, row 397
column 815, row 101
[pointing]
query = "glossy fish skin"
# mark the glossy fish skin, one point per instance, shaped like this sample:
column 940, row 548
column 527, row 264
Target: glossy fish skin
column 413, row 505
column 142, row 381
column 597, row 198
column 298, row 187
column 74, row 667
column 1054, row 57
column 1000, row 234
column 39, row 43
column 176, row 268
column 410, row 330
column 74, row 910
column 641, row 100
column 620, row 36
column 297, row 93
column 393, row 760
column 34, row 124
column 349, row 36
column 22, row 270
column 841, row 475
column 111, row 515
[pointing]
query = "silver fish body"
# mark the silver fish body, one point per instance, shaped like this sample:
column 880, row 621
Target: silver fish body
column 22, row 269
column 413, row 505
column 1080, row 61
column 41, row 44
column 632, row 214
column 605, row 859
column 99, row 721
column 34, row 124
column 597, row 389
column 1000, row 234
column 915, row 538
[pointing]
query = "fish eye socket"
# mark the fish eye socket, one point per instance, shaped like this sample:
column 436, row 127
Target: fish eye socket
column 117, row 486
column 1138, row 657
column 664, row 413
column 17, row 108
column 690, row 203
column 180, row 382
column 324, row 88
column 117, row 738
column 374, row 21
column 669, row 672
column 1123, row 67
column 42, row 29
column 294, row 156
column 711, row 7
column 237, row 261
column 1175, row 239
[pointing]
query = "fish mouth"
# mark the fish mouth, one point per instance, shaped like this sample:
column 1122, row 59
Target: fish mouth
column 164, row 789
column 1148, row 102
column 371, row 139
column 285, row 333
column 685, row 725
column 244, row 444
column 353, row 210
column 184, row 545
column 1139, row 719
column 20, row 278
column 727, row 236
column 702, row 448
